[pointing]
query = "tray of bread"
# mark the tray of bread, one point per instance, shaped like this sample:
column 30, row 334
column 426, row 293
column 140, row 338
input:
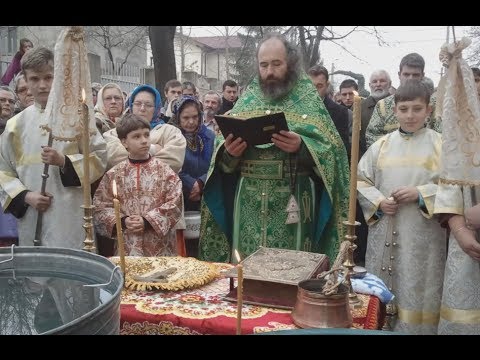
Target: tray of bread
column 171, row 273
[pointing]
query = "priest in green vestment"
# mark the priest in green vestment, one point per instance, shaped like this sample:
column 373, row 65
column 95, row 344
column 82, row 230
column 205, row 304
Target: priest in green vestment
column 291, row 193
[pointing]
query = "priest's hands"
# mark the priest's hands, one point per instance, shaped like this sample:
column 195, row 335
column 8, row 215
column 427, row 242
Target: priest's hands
column 235, row 147
column 405, row 194
column 135, row 224
column 287, row 141
column 52, row 157
column 38, row 201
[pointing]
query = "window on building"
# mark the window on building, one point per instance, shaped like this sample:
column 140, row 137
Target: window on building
column 12, row 40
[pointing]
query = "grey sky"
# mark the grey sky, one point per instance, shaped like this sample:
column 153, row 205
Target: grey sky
column 368, row 55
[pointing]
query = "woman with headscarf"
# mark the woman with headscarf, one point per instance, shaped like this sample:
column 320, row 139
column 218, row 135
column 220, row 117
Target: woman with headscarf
column 15, row 67
column 109, row 107
column 168, row 143
column 187, row 116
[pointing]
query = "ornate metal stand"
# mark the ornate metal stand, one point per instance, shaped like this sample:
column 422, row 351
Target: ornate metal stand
column 390, row 316
column 37, row 241
column 89, row 242
column 349, row 263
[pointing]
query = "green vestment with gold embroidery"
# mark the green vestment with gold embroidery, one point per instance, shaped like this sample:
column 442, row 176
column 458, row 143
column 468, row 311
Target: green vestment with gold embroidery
column 245, row 207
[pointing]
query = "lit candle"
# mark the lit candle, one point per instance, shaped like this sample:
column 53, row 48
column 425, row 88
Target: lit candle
column 239, row 293
column 87, row 198
column 118, row 220
column 357, row 114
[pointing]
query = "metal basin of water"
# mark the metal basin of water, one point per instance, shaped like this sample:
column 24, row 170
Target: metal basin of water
column 42, row 291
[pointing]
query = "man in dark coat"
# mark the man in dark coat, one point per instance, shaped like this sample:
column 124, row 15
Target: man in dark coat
column 338, row 113
column 230, row 96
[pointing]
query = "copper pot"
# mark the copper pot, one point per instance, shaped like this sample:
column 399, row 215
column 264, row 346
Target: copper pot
column 316, row 310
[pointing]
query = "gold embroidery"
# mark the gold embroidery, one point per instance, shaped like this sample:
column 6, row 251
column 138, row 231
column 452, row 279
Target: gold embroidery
column 306, row 201
column 307, row 246
column 390, row 127
column 418, row 317
column 459, row 182
column 460, row 316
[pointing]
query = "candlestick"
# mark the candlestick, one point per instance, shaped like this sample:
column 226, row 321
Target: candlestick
column 349, row 264
column 89, row 243
column 354, row 158
column 87, row 199
column 118, row 221
column 239, row 293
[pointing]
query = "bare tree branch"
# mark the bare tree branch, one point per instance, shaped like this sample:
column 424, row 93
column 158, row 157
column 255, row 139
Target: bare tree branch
column 111, row 37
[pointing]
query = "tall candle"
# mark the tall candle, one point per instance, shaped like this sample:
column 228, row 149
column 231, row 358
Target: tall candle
column 87, row 198
column 239, row 293
column 357, row 114
column 118, row 221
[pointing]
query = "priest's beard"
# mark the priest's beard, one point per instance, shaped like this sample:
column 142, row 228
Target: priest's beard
column 274, row 88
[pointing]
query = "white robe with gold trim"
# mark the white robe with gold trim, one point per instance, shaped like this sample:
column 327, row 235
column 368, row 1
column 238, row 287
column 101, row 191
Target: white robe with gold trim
column 460, row 312
column 411, row 244
column 21, row 169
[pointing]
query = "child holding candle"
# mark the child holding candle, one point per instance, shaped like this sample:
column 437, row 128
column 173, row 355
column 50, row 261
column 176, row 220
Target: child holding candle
column 149, row 192
column 397, row 183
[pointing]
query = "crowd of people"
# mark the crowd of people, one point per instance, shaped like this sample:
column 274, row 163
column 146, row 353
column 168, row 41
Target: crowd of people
column 167, row 157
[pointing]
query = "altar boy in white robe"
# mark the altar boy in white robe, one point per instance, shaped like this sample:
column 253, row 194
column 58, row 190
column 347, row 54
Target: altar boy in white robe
column 397, row 182
column 23, row 153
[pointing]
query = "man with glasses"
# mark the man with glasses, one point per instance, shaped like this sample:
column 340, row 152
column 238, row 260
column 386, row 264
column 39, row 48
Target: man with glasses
column 7, row 102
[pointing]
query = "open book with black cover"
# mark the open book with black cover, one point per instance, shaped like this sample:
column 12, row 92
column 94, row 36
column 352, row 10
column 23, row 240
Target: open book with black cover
column 256, row 130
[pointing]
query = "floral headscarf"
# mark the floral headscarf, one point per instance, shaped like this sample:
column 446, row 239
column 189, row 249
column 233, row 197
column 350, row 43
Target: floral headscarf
column 199, row 137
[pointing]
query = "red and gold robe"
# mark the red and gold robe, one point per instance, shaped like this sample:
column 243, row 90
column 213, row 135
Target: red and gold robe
column 150, row 189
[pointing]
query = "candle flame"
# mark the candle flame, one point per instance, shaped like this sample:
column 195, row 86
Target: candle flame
column 114, row 188
column 83, row 95
column 237, row 256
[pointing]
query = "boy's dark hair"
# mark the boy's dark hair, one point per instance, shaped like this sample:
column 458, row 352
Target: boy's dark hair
column 412, row 89
column 317, row 69
column 348, row 83
column 229, row 83
column 130, row 122
column 413, row 60
column 172, row 84
column 476, row 71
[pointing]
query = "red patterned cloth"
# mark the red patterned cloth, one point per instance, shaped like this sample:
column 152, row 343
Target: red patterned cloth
column 203, row 311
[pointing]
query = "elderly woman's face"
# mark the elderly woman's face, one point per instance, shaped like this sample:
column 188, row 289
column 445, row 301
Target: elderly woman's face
column 189, row 118
column 113, row 102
